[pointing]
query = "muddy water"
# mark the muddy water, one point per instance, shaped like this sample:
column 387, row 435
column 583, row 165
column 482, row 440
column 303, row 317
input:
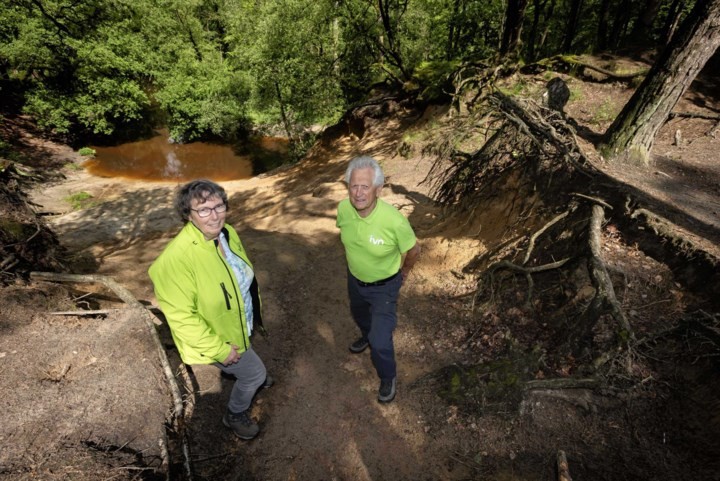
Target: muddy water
column 156, row 159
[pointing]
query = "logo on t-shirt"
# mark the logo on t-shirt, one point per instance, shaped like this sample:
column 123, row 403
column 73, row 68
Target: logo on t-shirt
column 376, row 241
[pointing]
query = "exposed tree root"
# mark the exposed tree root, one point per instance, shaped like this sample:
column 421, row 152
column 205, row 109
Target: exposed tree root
column 605, row 299
column 127, row 297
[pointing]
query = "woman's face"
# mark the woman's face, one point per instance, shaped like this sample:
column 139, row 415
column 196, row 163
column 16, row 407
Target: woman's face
column 212, row 224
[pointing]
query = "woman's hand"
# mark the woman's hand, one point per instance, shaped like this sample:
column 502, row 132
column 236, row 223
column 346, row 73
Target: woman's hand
column 233, row 357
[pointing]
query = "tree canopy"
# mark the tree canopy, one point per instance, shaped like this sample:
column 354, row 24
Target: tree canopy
column 216, row 67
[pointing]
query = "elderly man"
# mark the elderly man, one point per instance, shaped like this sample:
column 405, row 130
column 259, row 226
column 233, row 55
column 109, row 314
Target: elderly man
column 381, row 248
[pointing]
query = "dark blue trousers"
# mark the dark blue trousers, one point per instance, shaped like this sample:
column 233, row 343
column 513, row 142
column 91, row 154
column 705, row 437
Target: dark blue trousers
column 374, row 309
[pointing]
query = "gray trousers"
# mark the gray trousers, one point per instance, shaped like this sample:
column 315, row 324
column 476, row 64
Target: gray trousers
column 249, row 374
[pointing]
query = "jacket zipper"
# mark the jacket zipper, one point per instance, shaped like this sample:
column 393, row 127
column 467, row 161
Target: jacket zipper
column 227, row 295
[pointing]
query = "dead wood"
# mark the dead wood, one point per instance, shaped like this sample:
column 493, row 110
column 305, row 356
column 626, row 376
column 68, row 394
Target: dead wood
column 533, row 238
column 578, row 392
column 562, row 383
column 129, row 299
column 97, row 312
column 577, row 66
column 592, row 199
column 691, row 115
column 563, row 467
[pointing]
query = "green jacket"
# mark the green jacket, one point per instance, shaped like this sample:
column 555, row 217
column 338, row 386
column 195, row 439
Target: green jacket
column 199, row 295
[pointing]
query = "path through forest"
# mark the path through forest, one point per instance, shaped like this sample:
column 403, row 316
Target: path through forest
column 321, row 420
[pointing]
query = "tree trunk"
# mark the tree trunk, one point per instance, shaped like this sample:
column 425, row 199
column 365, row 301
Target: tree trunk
column 632, row 134
column 642, row 32
column 622, row 17
column 603, row 15
column 572, row 23
column 538, row 7
column 453, row 30
column 513, row 26
column 389, row 23
column 671, row 22
column 283, row 114
column 548, row 15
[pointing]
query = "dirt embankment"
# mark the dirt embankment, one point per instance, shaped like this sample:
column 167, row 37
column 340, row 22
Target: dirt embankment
column 86, row 398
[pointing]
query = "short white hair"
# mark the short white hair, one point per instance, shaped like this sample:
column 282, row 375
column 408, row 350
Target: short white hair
column 366, row 162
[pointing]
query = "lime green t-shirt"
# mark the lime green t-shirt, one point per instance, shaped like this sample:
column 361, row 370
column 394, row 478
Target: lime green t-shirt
column 374, row 245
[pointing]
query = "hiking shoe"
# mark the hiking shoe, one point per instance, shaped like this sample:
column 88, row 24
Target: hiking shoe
column 386, row 393
column 269, row 382
column 359, row 346
column 241, row 424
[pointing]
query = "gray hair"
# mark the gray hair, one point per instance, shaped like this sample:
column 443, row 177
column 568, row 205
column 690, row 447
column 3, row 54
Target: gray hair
column 202, row 190
column 365, row 162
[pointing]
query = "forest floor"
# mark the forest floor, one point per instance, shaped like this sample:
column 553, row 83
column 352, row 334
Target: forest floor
column 84, row 397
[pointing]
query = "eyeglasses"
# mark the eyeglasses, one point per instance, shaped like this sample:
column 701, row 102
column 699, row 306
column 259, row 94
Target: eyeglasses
column 206, row 211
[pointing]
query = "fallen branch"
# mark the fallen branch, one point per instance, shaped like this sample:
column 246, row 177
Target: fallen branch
column 572, row 61
column 593, row 199
column 98, row 312
column 129, row 299
column 562, row 383
column 563, row 467
column 534, row 237
column 689, row 115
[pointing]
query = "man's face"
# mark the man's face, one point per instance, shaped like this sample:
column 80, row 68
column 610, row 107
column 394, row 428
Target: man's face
column 212, row 225
column 363, row 195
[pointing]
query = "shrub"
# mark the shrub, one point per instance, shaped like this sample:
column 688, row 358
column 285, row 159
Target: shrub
column 86, row 151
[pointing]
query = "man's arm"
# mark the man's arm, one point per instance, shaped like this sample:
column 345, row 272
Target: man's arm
column 410, row 257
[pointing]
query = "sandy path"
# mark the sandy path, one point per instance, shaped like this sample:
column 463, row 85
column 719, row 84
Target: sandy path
column 321, row 420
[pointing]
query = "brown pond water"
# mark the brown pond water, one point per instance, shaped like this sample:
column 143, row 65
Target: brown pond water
column 156, row 159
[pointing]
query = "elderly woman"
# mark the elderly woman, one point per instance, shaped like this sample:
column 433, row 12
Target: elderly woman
column 206, row 287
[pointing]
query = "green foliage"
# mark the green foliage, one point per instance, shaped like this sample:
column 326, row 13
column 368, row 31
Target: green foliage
column 72, row 166
column 77, row 63
column 289, row 53
column 79, row 200
column 434, row 78
column 86, row 151
column 202, row 97
column 210, row 67
column 8, row 152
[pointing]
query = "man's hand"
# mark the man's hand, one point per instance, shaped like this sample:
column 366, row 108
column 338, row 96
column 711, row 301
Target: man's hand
column 233, row 357
column 410, row 257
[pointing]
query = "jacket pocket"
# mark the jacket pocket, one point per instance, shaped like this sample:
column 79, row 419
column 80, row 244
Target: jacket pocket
column 226, row 294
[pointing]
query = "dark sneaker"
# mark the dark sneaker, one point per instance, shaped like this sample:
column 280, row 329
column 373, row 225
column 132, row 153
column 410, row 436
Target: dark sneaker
column 269, row 382
column 359, row 346
column 386, row 393
column 241, row 424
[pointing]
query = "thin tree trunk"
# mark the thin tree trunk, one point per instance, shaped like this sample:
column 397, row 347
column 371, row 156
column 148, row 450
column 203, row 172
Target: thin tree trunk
column 548, row 15
column 622, row 17
column 603, row 15
column 672, row 21
column 572, row 24
column 283, row 114
column 452, row 29
column 513, row 26
column 632, row 134
column 642, row 32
